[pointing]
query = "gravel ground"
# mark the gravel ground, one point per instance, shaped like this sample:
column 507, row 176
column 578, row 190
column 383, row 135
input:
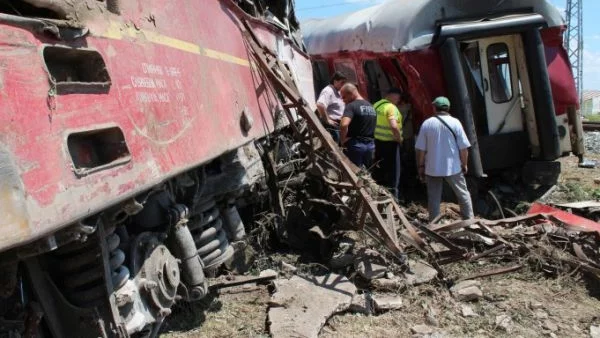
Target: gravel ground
column 592, row 142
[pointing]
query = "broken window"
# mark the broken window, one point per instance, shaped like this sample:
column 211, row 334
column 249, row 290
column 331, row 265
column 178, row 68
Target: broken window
column 280, row 13
column 378, row 82
column 76, row 70
column 96, row 150
column 320, row 75
column 347, row 68
column 473, row 62
column 474, row 78
column 53, row 9
column 29, row 9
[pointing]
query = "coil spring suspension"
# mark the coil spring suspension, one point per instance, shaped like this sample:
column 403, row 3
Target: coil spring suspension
column 119, row 272
column 209, row 236
column 82, row 270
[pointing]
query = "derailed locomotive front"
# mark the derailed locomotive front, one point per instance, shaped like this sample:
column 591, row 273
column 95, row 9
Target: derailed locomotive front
column 130, row 134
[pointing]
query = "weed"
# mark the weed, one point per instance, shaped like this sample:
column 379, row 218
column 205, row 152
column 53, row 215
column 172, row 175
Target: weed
column 593, row 118
column 596, row 194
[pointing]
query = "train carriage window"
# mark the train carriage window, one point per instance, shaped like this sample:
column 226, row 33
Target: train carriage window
column 500, row 72
column 403, row 78
column 472, row 67
column 378, row 82
column 473, row 62
column 346, row 67
column 320, row 75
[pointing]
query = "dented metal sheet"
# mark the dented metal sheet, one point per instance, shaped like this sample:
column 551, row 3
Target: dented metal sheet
column 396, row 25
column 565, row 217
column 169, row 93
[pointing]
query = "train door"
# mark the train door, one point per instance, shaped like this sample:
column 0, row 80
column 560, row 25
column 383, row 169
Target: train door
column 497, row 78
column 501, row 85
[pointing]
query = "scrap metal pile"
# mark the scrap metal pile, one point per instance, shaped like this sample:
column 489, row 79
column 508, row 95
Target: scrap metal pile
column 542, row 240
column 550, row 240
column 332, row 196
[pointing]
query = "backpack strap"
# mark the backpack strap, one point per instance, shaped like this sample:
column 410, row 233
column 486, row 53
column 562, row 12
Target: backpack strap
column 452, row 131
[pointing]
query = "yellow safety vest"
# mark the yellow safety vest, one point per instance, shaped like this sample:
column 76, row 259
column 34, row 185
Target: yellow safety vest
column 383, row 131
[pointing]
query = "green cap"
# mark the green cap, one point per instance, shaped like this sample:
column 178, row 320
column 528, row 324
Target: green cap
column 441, row 102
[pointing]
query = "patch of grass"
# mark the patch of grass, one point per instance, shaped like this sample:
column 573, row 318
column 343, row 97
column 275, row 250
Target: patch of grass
column 575, row 192
column 596, row 194
column 593, row 118
column 522, row 208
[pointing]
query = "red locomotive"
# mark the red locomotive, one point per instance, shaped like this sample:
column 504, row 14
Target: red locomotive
column 131, row 130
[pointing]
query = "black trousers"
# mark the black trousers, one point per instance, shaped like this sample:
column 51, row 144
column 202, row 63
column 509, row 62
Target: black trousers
column 387, row 174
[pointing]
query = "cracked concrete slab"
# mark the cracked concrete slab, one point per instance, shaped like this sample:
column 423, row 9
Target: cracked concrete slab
column 300, row 306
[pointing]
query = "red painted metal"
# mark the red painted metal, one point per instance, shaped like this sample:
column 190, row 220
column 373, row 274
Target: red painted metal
column 424, row 72
column 564, row 217
column 562, row 82
column 181, row 80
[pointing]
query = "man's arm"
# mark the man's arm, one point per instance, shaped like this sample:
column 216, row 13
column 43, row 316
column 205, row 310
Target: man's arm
column 322, row 102
column 344, row 129
column 392, row 114
column 421, row 163
column 395, row 130
column 464, row 160
column 421, row 150
column 322, row 111
column 463, row 145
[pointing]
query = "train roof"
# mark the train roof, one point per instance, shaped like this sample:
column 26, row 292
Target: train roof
column 407, row 24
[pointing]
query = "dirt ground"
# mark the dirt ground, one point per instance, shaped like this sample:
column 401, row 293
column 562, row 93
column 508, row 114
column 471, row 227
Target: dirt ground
column 241, row 314
column 532, row 305
column 536, row 305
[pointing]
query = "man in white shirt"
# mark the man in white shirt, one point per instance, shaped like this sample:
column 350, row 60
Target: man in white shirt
column 330, row 105
column 442, row 155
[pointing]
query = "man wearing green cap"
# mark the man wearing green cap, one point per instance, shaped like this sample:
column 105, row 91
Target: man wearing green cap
column 442, row 155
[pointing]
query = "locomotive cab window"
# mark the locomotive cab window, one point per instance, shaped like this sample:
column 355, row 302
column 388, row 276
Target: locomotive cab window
column 346, row 67
column 500, row 72
column 378, row 82
column 320, row 75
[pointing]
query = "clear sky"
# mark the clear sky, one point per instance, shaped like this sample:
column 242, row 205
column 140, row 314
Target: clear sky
column 591, row 25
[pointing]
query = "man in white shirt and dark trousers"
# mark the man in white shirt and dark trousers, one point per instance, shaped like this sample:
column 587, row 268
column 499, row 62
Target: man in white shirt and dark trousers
column 330, row 105
column 442, row 155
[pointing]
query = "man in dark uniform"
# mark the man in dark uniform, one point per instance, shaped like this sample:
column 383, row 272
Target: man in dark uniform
column 357, row 127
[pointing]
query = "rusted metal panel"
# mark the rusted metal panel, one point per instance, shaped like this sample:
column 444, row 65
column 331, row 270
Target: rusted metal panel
column 180, row 81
